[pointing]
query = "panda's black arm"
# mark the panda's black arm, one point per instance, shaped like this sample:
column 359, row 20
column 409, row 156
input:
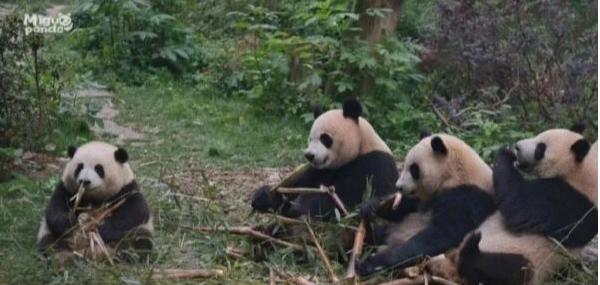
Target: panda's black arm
column 455, row 213
column 265, row 200
column 58, row 213
column 553, row 208
column 507, row 179
column 407, row 205
column 382, row 174
column 132, row 213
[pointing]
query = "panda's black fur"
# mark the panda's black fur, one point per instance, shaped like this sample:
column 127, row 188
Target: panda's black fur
column 454, row 213
column 61, row 219
column 545, row 206
column 350, row 182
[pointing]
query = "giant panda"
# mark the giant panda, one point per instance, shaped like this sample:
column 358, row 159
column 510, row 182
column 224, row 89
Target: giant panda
column 345, row 152
column 447, row 193
column 104, row 172
column 560, row 203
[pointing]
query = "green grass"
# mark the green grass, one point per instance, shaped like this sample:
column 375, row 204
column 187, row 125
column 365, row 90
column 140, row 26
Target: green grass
column 188, row 135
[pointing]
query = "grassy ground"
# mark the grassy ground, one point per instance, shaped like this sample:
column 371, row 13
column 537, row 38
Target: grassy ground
column 196, row 146
column 202, row 156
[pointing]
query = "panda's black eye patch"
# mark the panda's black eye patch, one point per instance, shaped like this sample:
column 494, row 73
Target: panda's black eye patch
column 326, row 140
column 78, row 169
column 415, row 172
column 540, row 151
column 100, row 170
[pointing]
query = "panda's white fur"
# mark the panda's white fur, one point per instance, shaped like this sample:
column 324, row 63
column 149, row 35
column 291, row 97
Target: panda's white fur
column 544, row 256
column 350, row 139
column 462, row 166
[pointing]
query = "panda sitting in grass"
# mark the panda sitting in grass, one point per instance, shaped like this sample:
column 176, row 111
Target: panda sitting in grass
column 558, row 206
column 97, row 177
column 345, row 152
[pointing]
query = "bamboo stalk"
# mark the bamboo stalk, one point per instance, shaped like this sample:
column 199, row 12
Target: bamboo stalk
column 288, row 221
column 357, row 247
column 186, row 274
column 293, row 177
column 322, row 254
column 248, row 231
column 336, row 200
column 301, row 190
column 443, row 281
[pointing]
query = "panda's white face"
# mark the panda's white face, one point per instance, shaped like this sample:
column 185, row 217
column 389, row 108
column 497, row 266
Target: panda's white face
column 100, row 168
column 551, row 153
column 89, row 176
column 334, row 140
column 422, row 173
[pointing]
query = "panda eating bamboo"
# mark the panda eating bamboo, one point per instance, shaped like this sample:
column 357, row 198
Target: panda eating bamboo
column 99, row 198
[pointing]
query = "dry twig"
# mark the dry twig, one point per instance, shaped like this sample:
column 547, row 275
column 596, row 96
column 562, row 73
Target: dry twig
column 322, row 254
column 248, row 231
column 181, row 274
column 359, row 240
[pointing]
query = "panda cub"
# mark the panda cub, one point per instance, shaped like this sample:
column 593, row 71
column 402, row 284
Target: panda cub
column 447, row 193
column 104, row 173
column 561, row 203
column 345, row 152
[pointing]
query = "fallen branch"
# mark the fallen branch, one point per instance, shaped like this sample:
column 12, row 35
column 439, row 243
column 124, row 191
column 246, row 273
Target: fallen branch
column 322, row 254
column 359, row 240
column 248, row 231
column 186, row 274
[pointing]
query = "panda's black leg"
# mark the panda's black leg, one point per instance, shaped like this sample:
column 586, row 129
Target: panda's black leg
column 429, row 242
column 137, row 245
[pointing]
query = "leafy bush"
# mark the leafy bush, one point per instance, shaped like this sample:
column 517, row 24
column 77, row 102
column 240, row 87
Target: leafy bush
column 295, row 54
column 538, row 56
column 132, row 33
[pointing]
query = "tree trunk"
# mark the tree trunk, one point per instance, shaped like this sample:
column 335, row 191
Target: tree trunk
column 373, row 28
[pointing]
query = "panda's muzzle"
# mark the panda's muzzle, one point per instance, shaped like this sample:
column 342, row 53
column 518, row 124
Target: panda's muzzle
column 84, row 182
column 309, row 156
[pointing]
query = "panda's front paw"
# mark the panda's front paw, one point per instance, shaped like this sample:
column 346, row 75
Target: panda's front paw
column 261, row 199
column 504, row 154
column 369, row 209
column 367, row 267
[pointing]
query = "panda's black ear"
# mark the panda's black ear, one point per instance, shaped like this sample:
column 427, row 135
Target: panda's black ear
column 317, row 110
column 437, row 144
column 71, row 151
column 352, row 108
column 423, row 134
column 580, row 148
column 121, row 155
column 578, row 128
